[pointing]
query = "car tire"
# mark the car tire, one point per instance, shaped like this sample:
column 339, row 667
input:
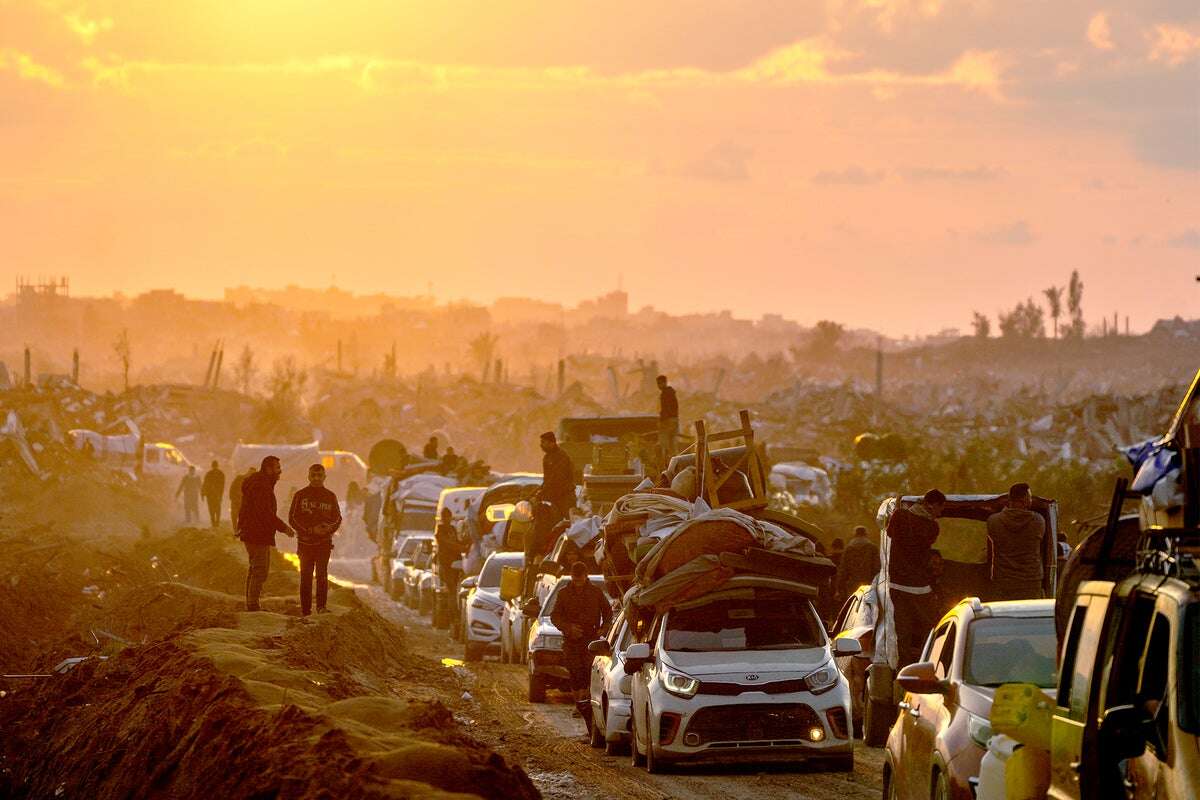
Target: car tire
column 635, row 757
column 941, row 787
column 877, row 722
column 472, row 651
column 615, row 747
column 889, row 785
column 537, row 688
column 597, row 731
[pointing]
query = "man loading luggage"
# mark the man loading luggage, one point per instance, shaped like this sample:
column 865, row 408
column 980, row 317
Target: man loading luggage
column 913, row 531
column 583, row 614
column 1016, row 535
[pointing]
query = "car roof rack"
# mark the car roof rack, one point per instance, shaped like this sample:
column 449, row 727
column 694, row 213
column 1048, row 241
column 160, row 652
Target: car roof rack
column 1171, row 552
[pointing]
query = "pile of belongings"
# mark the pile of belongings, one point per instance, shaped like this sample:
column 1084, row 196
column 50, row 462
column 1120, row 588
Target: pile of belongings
column 659, row 550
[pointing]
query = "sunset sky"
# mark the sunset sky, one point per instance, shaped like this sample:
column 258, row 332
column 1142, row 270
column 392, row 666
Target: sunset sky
column 894, row 164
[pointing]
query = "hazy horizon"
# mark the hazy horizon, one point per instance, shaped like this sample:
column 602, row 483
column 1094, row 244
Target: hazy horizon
column 888, row 164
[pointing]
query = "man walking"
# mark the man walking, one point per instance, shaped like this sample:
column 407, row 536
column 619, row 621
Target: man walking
column 212, row 490
column 912, row 531
column 558, row 477
column 189, row 487
column 582, row 613
column 859, row 564
column 316, row 517
column 448, row 550
column 1016, row 534
column 668, row 419
column 258, row 522
column 235, row 496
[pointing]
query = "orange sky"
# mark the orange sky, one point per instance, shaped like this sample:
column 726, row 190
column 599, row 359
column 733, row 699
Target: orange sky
column 895, row 164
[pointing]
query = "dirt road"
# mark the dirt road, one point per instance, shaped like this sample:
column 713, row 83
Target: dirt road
column 547, row 741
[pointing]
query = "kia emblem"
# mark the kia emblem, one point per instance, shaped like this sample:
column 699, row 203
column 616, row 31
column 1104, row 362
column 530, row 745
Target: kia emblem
column 751, row 677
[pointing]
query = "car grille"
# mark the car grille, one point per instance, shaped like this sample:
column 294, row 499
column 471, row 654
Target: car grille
column 762, row 722
column 734, row 689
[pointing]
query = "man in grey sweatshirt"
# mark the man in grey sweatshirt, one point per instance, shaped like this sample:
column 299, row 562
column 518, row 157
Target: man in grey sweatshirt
column 1016, row 534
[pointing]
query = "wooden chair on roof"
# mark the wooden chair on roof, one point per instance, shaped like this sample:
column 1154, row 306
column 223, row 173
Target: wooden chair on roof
column 738, row 447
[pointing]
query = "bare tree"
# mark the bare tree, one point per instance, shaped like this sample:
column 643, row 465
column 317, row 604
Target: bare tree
column 124, row 354
column 982, row 326
column 1075, row 305
column 1054, row 296
column 245, row 369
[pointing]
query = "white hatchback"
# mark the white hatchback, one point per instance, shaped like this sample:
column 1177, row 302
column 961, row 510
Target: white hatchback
column 744, row 673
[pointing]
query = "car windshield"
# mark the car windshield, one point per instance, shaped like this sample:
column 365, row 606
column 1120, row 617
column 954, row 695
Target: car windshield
column 1011, row 650
column 768, row 620
column 417, row 520
column 490, row 576
column 409, row 548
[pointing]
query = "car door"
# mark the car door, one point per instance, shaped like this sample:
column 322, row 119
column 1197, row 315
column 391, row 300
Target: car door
column 1074, row 695
column 918, row 713
column 601, row 665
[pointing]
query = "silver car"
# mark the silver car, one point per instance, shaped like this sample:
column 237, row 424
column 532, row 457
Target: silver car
column 610, row 689
column 481, row 633
column 744, row 673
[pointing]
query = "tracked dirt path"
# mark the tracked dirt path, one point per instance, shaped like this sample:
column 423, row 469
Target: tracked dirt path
column 546, row 739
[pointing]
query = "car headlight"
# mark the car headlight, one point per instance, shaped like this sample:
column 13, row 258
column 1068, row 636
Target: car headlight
column 679, row 684
column 980, row 729
column 484, row 605
column 546, row 641
column 822, row 679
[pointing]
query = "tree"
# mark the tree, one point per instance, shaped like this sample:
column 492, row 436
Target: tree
column 245, row 369
column 1026, row 321
column 1075, row 305
column 280, row 416
column 482, row 348
column 124, row 354
column 982, row 326
column 825, row 337
column 1054, row 298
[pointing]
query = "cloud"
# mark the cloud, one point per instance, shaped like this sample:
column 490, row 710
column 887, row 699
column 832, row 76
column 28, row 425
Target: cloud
column 1016, row 234
column 87, row 29
column 1099, row 32
column 1174, row 45
column 1189, row 239
column 850, row 176
column 30, row 70
column 979, row 174
column 727, row 162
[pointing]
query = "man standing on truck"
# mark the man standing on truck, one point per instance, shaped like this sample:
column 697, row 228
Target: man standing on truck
column 235, row 496
column 558, row 477
column 212, row 490
column 582, row 613
column 316, row 518
column 189, row 487
column 913, row 531
column 1016, row 535
column 258, row 521
column 431, row 449
column 859, row 564
column 668, row 419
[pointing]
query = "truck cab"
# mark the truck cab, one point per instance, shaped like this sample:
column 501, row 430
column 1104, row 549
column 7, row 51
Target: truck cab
column 1126, row 721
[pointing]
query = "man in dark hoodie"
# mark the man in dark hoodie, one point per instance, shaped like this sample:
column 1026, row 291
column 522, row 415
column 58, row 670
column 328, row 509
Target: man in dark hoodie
column 913, row 531
column 257, row 523
column 316, row 517
column 1016, row 534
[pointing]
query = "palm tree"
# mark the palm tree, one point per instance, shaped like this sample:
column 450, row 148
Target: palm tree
column 482, row 347
column 1054, row 298
column 1075, row 304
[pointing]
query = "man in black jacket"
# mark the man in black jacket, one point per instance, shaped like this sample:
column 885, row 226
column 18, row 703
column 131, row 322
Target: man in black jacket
column 558, row 476
column 668, row 419
column 913, row 531
column 582, row 612
column 316, row 517
column 859, row 564
column 258, row 522
column 213, row 490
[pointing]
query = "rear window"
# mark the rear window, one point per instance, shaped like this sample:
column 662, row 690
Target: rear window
column 422, row 520
column 768, row 620
column 490, row 576
column 1011, row 650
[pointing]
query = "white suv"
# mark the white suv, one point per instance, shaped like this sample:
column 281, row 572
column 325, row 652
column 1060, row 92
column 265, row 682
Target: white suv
column 746, row 672
column 481, row 632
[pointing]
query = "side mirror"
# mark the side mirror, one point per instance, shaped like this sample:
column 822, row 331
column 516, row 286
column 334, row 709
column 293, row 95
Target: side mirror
column 469, row 582
column 600, row 647
column 636, row 655
column 531, row 608
column 846, row 646
column 920, row 678
column 1123, row 733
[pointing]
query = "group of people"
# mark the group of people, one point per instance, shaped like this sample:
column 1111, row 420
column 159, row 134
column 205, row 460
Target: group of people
column 211, row 489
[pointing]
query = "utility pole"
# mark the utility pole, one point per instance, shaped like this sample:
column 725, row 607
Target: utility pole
column 75, row 366
column 28, row 369
column 878, row 378
column 220, row 361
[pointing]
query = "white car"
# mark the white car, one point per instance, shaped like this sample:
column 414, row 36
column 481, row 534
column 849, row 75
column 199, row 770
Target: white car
column 746, row 672
column 545, row 644
column 408, row 547
column 481, row 632
column 610, row 689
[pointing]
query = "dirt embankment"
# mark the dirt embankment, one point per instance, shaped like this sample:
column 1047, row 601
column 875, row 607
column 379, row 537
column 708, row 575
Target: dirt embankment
column 200, row 699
